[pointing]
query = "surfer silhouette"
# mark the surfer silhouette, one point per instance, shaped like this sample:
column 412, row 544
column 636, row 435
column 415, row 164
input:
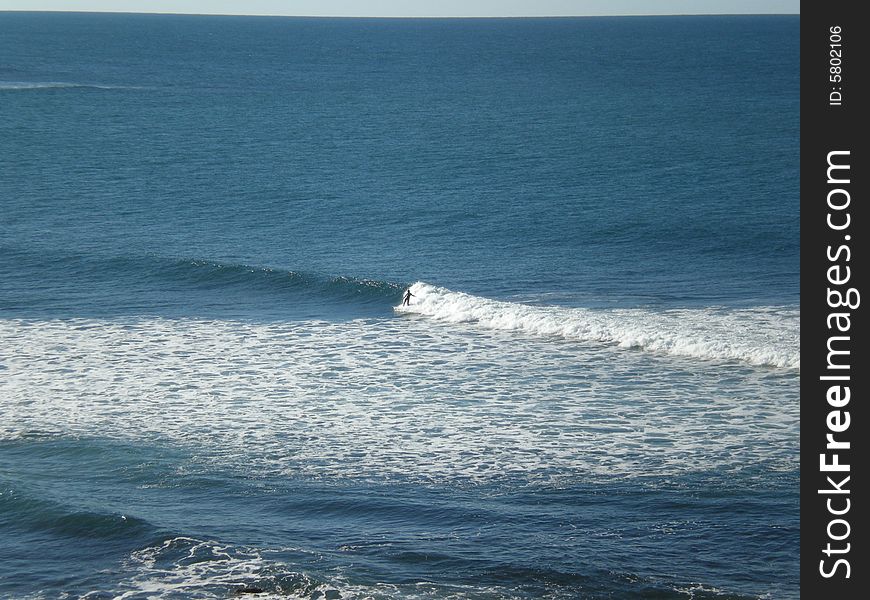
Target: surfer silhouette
column 406, row 300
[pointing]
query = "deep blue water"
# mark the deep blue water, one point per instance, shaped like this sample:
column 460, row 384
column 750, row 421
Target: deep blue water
column 206, row 224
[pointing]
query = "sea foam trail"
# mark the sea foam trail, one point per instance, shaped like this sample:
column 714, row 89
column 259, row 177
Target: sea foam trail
column 759, row 336
column 56, row 85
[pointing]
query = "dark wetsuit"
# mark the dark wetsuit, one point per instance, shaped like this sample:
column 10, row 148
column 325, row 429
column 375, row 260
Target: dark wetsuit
column 406, row 301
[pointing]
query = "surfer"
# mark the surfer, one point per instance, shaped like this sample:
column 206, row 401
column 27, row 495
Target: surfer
column 406, row 300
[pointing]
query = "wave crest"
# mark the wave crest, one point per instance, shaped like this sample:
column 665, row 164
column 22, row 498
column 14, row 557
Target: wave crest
column 758, row 336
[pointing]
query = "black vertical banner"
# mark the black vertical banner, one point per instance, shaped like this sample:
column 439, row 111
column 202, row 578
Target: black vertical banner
column 834, row 265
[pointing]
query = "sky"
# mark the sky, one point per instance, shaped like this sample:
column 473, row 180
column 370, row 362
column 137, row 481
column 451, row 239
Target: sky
column 417, row 8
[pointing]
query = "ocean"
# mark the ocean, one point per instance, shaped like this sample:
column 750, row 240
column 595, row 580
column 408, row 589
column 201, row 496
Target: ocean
column 209, row 389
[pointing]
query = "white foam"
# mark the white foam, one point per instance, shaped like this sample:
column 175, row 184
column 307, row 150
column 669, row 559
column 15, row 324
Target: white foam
column 46, row 85
column 184, row 567
column 191, row 568
column 393, row 399
column 757, row 336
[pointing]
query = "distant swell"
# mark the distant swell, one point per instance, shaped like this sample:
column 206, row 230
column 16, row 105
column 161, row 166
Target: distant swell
column 214, row 274
column 154, row 272
column 53, row 85
column 758, row 336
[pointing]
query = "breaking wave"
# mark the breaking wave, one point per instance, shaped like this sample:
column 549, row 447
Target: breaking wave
column 758, row 336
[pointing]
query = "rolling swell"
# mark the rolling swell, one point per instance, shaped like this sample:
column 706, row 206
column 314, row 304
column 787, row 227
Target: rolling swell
column 219, row 275
column 767, row 336
column 78, row 284
column 22, row 511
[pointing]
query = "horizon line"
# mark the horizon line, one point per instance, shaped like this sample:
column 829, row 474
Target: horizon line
column 330, row 16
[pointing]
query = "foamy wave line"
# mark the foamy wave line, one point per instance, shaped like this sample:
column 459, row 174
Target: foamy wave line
column 48, row 85
column 758, row 336
column 188, row 567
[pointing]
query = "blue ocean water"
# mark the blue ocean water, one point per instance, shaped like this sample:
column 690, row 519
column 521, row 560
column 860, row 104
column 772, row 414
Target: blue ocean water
column 208, row 388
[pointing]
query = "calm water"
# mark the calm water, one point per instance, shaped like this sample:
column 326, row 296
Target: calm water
column 206, row 385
